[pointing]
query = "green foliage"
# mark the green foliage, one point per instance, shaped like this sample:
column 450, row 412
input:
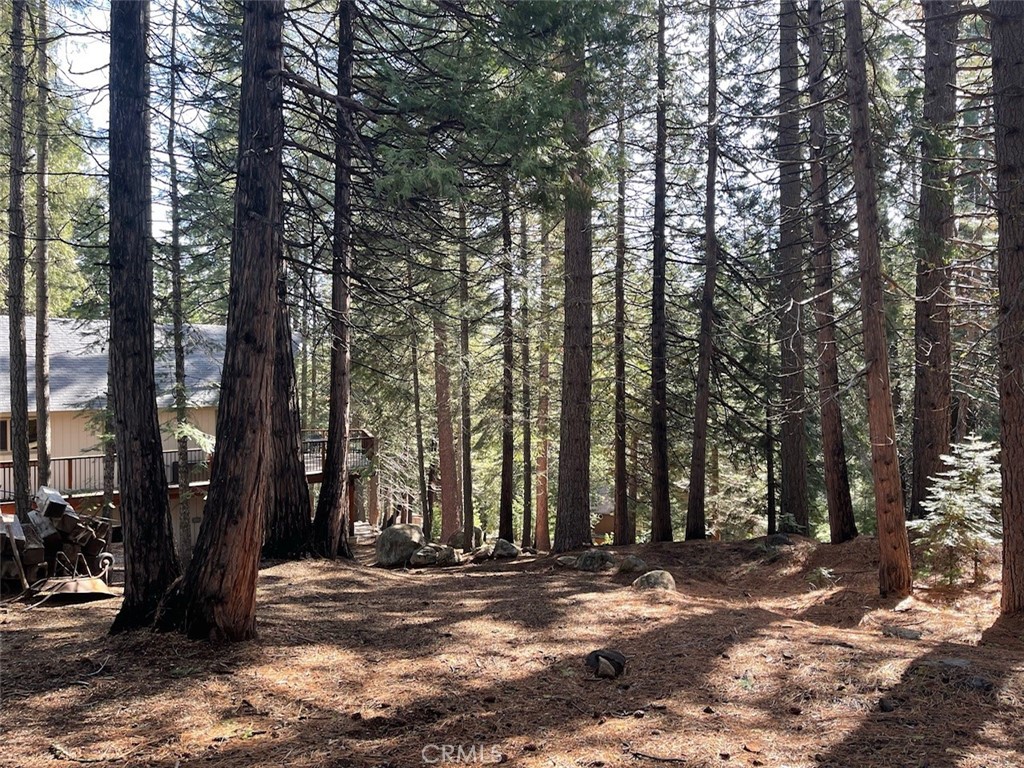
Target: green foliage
column 962, row 510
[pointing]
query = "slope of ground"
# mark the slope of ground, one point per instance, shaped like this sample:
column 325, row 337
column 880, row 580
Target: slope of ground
column 747, row 663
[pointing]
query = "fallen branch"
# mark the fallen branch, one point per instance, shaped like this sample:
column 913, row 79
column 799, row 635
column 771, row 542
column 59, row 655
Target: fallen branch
column 645, row 756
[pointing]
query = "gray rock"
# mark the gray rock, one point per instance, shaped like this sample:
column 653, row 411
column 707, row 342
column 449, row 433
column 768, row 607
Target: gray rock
column 480, row 554
column 632, row 564
column 779, row 540
column 566, row 561
column 887, row 704
column 529, row 550
column 595, row 560
column 455, row 540
column 397, row 543
column 504, row 550
column 434, row 554
column 980, row 683
column 891, row 630
column 423, row 557
column 656, row 580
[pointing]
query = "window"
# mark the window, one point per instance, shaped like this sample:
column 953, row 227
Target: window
column 5, row 443
column 5, row 434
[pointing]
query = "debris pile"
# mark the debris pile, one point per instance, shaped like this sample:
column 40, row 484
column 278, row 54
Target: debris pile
column 56, row 541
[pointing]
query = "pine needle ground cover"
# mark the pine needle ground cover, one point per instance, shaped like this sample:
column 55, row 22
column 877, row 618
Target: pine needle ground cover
column 749, row 663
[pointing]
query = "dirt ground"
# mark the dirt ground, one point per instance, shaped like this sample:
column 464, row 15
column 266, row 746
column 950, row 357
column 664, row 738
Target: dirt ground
column 747, row 664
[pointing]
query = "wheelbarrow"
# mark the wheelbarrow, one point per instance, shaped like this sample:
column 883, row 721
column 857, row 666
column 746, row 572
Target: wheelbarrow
column 75, row 582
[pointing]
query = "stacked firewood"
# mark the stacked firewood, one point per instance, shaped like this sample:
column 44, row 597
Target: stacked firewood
column 56, row 541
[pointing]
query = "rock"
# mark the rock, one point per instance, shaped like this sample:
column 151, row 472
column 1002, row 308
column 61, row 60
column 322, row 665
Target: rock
column 890, row 630
column 595, row 560
column 656, row 580
column 455, row 540
column 504, row 550
column 632, row 564
column 480, row 554
column 396, row 544
column 980, row 683
column 566, row 561
column 779, row 540
column 887, row 704
column 529, row 550
column 606, row 662
column 434, row 554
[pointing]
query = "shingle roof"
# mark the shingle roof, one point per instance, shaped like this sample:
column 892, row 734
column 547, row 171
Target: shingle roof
column 78, row 363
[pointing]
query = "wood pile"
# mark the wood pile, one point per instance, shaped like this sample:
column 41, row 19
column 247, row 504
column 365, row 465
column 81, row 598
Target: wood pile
column 56, row 541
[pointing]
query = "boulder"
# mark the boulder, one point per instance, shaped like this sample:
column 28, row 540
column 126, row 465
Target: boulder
column 779, row 540
column 566, row 561
column 397, row 543
column 504, row 550
column 434, row 554
column 595, row 560
column 656, row 580
column 455, row 540
column 480, row 554
column 632, row 564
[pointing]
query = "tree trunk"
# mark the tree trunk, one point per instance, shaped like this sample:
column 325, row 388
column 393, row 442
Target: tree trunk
column 466, row 435
column 696, row 527
column 451, row 502
column 932, row 349
column 1008, row 87
column 16, row 280
column 219, row 588
column 624, row 532
column 43, row 432
column 288, row 525
column 150, row 561
column 177, row 310
column 842, row 525
column 541, row 533
column 330, row 524
column 791, row 283
column 572, row 517
column 426, row 503
column 524, row 310
column 661, row 510
column 505, row 518
column 894, row 576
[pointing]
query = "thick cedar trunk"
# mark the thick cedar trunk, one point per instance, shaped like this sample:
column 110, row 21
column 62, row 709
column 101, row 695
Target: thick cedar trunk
column 288, row 525
column 624, row 532
column 505, row 530
column 42, row 248
column 572, row 517
column 1008, row 84
column 466, row 435
column 426, row 502
column 16, row 279
column 330, row 524
column 791, row 283
column 661, row 509
column 769, row 453
column 219, row 588
column 150, row 562
column 177, row 311
column 894, row 576
column 842, row 525
column 524, row 310
column 541, row 532
column 451, row 501
column 696, row 527
column 932, row 378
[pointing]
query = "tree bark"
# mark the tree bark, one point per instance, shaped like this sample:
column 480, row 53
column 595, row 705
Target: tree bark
column 177, row 310
column 791, row 283
column 572, row 517
column 624, row 532
column 842, row 525
column 16, row 280
column 43, row 435
column 1008, row 86
column 426, row 502
column 661, row 509
column 932, row 349
column 894, row 576
column 524, row 316
column 288, row 524
column 466, row 434
column 541, row 533
column 696, row 527
column 330, row 524
column 150, row 561
column 219, row 588
column 505, row 518
column 451, row 501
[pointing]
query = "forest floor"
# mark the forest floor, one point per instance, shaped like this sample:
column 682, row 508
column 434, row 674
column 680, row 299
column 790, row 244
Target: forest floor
column 747, row 664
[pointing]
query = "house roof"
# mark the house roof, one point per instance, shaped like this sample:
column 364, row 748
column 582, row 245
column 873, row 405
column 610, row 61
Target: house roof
column 78, row 363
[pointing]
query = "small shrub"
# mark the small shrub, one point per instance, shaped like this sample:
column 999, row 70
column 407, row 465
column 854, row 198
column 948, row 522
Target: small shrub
column 963, row 510
column 822, row 578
